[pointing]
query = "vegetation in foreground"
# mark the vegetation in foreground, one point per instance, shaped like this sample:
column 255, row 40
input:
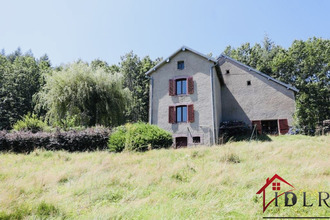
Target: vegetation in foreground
column 197, row 183
column 139, row 137
column 129, row 137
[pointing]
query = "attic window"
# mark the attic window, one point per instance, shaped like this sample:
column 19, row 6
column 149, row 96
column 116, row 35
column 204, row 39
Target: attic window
column 227, row 71
column 248, row 82
column 180, row 65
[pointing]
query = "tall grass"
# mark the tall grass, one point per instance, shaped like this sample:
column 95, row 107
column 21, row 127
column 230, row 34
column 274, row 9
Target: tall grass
column 217, row 182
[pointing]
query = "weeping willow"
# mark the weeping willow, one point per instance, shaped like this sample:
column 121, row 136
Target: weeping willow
column 87, row 95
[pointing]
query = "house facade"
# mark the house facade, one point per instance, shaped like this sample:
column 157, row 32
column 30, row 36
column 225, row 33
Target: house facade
column 191, row 94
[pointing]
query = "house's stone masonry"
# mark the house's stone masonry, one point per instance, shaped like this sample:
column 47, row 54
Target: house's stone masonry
column 231, row 98
column 263, row 99
column 199, row 68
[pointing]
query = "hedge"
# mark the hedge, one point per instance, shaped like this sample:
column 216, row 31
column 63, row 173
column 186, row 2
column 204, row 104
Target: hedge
column 90, row 139
column 139, row 137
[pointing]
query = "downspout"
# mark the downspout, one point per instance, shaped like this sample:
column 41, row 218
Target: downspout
column 151, row 93
column 212, row 99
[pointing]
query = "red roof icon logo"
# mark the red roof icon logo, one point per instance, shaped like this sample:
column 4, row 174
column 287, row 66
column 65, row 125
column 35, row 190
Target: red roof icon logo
column 275, row 183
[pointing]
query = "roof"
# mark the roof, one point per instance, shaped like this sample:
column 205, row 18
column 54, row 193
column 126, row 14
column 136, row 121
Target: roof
column 222, row 56
column 183, row 48
column 271, row 180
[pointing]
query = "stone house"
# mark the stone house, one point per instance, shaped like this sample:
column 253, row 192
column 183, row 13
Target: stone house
column 191, row 94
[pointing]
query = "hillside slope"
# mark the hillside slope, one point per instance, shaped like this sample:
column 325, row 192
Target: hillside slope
column 197, row 183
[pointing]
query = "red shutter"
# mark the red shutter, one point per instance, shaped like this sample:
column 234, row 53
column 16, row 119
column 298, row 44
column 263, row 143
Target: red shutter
column 171, row 114
column 284, row 126
column 190, row 85
column 191, row 114
column 258, row 124
column 171, row 87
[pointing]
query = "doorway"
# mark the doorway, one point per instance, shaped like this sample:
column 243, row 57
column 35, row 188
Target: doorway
column 269, row 127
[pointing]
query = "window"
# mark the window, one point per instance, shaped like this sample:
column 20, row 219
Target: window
column 181, row 142
column 248, row 82
column 276, row 186
column 180, row 65
column 181, row 86
column 181, row 113
column 196, row 140
column 227, row 71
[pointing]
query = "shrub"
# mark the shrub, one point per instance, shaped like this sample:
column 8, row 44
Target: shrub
column 30, row 122
column 2, row 140
column 21, row 142
column 117, row 139
column 139, row 137
column 69, row 123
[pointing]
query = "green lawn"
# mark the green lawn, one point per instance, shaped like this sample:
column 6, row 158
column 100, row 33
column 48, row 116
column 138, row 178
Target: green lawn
column 217, row 182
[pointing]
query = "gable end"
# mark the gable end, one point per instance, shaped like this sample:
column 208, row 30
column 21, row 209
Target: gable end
column 183, row 48
column 222, row 58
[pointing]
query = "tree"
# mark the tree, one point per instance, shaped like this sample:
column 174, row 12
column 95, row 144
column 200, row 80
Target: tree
column 309, row 71
column 143, row 88
column 134, row 69
column 97, row 63
column 84, row 94
column 259, row 56
column 20, row 80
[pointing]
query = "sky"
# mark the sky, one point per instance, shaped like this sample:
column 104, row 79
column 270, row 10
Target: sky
column 68, row 30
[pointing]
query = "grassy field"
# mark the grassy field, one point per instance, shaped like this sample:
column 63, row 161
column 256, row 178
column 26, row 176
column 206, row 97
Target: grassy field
column 217, row 182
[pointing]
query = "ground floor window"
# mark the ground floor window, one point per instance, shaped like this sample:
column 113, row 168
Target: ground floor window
column 181, row 142
column 197, row 140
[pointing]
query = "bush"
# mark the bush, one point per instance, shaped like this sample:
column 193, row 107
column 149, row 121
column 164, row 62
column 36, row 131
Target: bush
column 23, row 142
column 117, row 139
column 30, row 122
column 139, row 137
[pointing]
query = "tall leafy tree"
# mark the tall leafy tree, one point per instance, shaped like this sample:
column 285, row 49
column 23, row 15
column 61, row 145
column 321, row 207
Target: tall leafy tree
column 260, row 56
column 134, row 69
column 85, row 95
column 97, row 63
column 142, row 88
column 20, row 80
column 307, row 65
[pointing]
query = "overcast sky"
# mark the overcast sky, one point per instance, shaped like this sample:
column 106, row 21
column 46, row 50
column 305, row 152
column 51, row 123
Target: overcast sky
column 68, row 30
